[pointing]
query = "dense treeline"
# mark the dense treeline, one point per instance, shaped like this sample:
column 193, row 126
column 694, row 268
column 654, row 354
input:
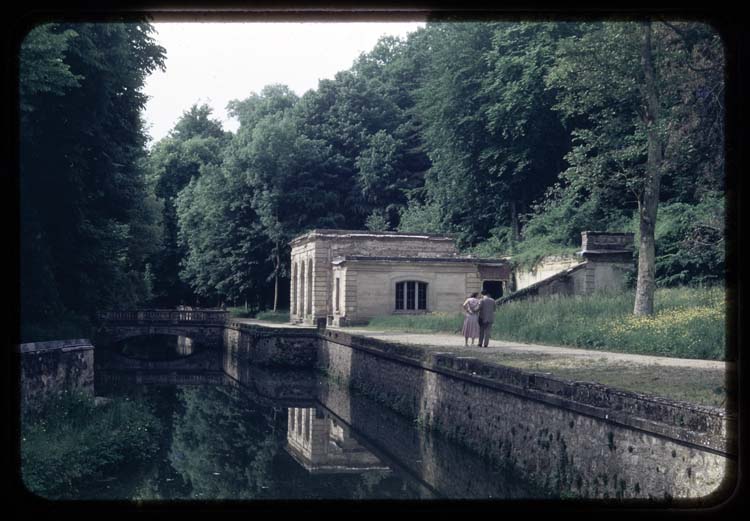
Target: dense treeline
column 88, row 225
column 515, row 137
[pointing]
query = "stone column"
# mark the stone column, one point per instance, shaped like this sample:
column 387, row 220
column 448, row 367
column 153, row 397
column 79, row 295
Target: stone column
column 305, row 426
column 293, row 292
column 309, row 289
column 301, row 293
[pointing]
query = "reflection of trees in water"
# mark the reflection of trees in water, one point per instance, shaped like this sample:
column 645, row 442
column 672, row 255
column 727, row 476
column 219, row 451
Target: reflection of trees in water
column 222, row 444
column 75, row 449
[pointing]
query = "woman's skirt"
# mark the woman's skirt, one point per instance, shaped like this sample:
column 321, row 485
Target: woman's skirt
column 471, row 326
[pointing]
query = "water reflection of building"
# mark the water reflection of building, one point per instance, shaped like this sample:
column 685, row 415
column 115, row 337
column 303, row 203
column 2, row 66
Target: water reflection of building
column 184, row 346
column 321, row 444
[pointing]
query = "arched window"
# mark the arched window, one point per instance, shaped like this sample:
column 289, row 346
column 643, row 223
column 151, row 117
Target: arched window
column 411, row 295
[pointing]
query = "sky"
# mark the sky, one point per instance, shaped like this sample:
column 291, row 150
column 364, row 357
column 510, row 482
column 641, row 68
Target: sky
column 214, row 63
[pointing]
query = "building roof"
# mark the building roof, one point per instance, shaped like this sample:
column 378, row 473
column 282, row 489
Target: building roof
column 324, row 232
column 464, row 260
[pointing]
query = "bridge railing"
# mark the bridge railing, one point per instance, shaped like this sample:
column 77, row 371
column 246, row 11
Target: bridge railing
column 172, row 316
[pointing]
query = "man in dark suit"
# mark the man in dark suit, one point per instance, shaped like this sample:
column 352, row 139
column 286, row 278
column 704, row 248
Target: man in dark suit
column 486, row 317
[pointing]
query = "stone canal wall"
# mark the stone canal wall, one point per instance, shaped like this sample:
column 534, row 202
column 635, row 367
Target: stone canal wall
column 578, row 439
column 575, row 439
column 48, row 368
column 250, row 344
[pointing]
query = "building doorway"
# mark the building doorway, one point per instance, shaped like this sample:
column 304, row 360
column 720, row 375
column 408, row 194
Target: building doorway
column 493, row 287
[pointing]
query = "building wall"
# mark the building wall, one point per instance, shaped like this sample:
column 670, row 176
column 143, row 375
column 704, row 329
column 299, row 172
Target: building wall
column 608, row 276
column 545, row 268
column 369, row 289
column 311, row 278
column 322, row 248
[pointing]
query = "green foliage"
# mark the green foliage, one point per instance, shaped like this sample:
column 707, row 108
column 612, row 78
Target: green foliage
column 194, row 145
column 512, row 136
column 491, row 134
column 43, row 69
column 80, row 179
column 377, row 221
column 273, row 316
column 556, row 224
column 70, row 443
column 424, row 323
column 688, row 323
column 690, row 242
column 225, row 246
column 66, row 324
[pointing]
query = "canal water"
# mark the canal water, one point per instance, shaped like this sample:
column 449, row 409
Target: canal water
column 197, row 434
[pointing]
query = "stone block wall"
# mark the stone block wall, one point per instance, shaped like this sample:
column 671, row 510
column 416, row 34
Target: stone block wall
column 49, row 368
column 246, row 344
column 545, row 268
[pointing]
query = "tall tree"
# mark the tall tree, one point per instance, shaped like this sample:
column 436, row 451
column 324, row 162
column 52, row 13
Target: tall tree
column 80, row 166
column 282, row 169
column 196, row 141
column 529, row 140
column 225, row 247
column 626, row 80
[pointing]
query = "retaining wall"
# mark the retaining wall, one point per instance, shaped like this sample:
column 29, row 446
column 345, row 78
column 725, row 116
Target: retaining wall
column 48, row 368
column 576, row 438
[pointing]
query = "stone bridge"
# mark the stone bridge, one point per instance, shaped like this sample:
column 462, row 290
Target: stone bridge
column 201, row 325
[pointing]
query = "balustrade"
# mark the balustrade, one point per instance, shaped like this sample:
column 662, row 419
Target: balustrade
column 167, row 315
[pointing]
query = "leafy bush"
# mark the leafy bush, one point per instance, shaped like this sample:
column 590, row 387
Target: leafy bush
column 70, row 442
column 554, row 227
column 689, row 242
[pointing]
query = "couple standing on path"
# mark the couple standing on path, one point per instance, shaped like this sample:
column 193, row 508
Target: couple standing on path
column 480, row 313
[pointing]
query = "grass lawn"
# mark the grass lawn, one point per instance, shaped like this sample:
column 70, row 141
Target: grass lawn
column 281, row 315
column 694, row 385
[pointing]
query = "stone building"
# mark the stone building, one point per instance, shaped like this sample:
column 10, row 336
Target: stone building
column 346, row 277
column 602, row 264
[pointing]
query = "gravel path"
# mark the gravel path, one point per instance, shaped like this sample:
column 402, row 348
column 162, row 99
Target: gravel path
column 455, row 343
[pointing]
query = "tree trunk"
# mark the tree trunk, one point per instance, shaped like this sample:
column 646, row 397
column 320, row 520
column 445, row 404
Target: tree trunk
column 276, row 281
column 515, row 230
column 648, row 205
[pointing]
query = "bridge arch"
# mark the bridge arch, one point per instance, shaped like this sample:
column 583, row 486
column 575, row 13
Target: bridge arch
column 204, row 326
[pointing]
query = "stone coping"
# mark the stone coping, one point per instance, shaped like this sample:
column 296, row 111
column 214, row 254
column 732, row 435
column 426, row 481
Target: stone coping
column 262, row 330
column 333, row 233
column 463, row 260
column 76, row 344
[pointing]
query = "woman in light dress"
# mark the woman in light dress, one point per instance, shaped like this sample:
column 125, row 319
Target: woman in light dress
column 471, row 319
